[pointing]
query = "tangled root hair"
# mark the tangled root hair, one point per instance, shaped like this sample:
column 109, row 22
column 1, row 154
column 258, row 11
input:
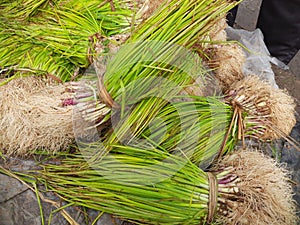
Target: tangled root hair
column 148, row 7
column 32, row 117
column 265, row 194
column 217, row 32
column 228, row 61
column 271, row 107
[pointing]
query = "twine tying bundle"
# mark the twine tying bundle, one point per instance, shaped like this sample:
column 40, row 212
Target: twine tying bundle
column 213, row 197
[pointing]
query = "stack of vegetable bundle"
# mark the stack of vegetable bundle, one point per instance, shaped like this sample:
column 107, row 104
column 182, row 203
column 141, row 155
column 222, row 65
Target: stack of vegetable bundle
column 167, row 62
column 148, row 165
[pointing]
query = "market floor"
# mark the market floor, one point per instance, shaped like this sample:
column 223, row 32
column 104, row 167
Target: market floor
column 287, row 80
column 290, row 155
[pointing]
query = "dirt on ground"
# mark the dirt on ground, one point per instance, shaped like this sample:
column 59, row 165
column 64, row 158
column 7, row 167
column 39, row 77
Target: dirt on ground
column 289, row 81
column 290, row 155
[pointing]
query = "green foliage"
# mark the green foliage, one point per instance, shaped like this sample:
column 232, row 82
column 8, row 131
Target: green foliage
column 195, row 127
column 54, row 38
column 133, row 183
column 153, row 68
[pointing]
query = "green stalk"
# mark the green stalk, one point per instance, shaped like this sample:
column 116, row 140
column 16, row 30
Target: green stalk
column 136, row 184
column 59, row 33
column 148, row 204
column 196, row 128
column 158, row 43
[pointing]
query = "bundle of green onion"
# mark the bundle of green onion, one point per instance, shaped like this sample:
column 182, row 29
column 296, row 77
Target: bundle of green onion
column 196, row 127
column 156, row 45
column 54, row 37
column 156, row 53
column 154, row 187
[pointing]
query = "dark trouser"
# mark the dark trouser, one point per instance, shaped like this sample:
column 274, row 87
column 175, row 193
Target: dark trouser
column 279, row 21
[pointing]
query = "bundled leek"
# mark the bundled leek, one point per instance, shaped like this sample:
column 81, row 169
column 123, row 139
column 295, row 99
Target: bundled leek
column 158, row 42
column 156, row 53
column 54, row 38
column 196, row 127
column 154, row 187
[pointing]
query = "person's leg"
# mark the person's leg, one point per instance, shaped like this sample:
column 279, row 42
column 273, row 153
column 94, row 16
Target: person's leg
column 280, row 23
column 231, row 16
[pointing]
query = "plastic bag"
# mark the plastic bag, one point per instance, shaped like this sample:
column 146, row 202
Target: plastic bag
column 257, row 54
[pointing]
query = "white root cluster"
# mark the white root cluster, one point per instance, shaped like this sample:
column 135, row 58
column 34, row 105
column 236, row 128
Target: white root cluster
column 266, row 106
column 32, row 117
column 225, row 58
column 264, row 194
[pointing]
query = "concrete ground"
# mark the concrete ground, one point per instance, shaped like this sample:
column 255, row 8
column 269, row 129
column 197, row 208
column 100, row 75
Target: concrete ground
column 291, row 82
column 290, row 155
